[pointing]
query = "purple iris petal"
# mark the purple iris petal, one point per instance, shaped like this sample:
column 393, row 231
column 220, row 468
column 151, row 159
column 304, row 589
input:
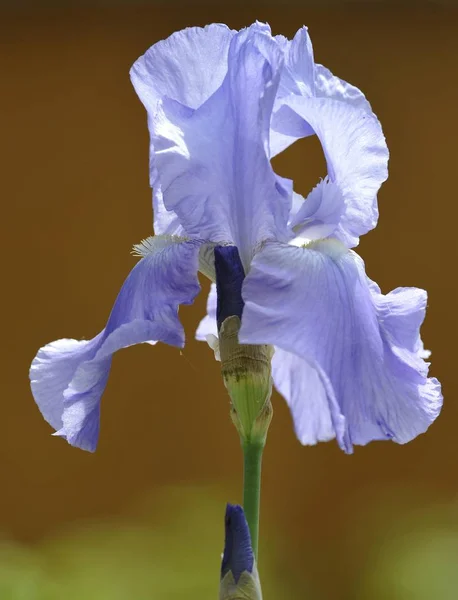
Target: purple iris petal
column 318, row 304
column 208, row 324
column 212, row 152
column 188, row 67
column 319, row 215
column 312, row 100
column 238, row 554
column 165, row 221
column 68, row 377
column 356, row 155
column 316, row 414
column 304, row 77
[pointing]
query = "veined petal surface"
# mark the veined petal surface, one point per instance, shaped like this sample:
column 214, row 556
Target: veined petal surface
column 165, row 222
column 68, row 377
column 210, row 93
column 317, row 303
column 213, row 158
column 304, row 77
column 316, row 414
column 189, row 66
column 356, row 156
column 319, row 215
column 311, row 100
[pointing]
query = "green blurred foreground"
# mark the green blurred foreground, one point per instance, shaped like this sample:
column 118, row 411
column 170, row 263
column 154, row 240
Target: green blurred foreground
column 173, row 552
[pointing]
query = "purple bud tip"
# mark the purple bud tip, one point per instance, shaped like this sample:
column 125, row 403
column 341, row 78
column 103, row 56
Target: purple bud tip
column 238, row 554
column 229, row 280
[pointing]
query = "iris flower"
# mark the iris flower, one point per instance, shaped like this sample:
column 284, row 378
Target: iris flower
column 348, row 359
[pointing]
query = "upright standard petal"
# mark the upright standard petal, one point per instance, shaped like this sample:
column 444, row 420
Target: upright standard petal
column 311, row 100
column 68, row 377
column 213, row 160
column 356, row 156
column 165, row 222
column 317, row 303
column 189, row 66
column 304, row 77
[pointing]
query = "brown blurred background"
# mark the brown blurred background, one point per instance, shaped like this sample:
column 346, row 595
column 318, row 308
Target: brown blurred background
column 382, row 523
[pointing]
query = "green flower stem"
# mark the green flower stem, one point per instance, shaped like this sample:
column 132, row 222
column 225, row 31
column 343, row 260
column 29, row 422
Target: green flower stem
column 252, row 455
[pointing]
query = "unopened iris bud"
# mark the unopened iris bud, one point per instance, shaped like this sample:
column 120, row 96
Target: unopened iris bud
column 246, row 368
column 239, row 575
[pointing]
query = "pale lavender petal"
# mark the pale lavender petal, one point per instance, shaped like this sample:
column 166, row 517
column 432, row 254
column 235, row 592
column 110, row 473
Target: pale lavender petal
column 317, row 303
column 188, row 66
column 52, row 370
column 213, row 159
column 68, row 377
column 401, row 312
column 208, row 327
column 298, row 75
column 165, row 222
column 312, row 100
column 318, row 419
column 312, row 79
column 319, row 215
column 328, row 85
column 301, row 76
column 356, row 156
